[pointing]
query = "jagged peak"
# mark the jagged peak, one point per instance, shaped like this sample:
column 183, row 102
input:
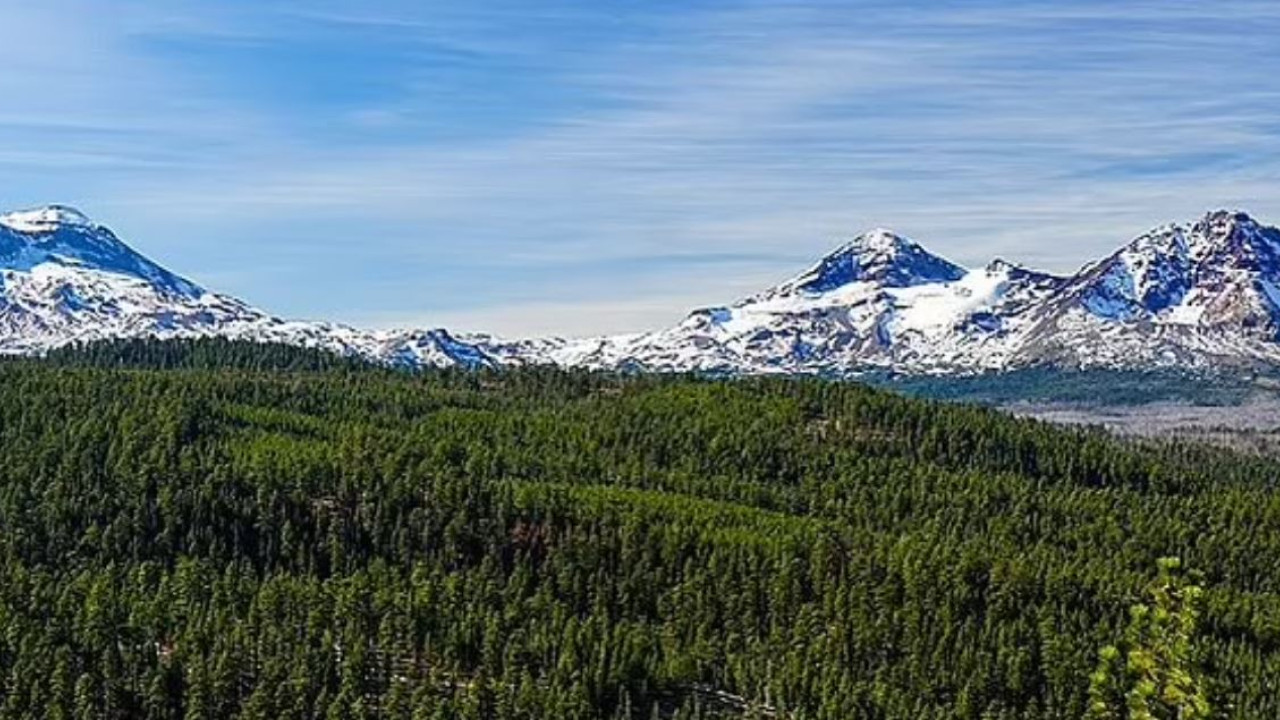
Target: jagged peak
column 1223, row 225
column 1233, row 233
column 44, row 219
column 1223, row 216
column 1213, row 234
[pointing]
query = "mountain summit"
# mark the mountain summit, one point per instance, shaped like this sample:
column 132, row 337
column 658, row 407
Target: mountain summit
column 65, row 279
column 45, row 219
column 62, row 236
column 880, row 256
column 1201, row 294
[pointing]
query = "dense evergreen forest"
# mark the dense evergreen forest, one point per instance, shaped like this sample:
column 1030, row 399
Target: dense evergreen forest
column 1091, row 387
column 213, row 530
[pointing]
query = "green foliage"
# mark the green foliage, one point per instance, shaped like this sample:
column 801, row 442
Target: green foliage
column 1090, row 387
column 218, row 530
column 1157, row 675
column 200, row 354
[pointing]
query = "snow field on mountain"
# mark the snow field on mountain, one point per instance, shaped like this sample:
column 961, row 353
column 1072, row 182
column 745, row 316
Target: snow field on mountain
column 1201, row 294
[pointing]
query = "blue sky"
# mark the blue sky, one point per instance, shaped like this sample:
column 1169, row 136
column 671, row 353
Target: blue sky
column 575, row 167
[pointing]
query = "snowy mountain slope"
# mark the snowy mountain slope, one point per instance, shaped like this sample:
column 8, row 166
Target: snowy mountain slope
column 1196, row 295
column 906, row 308
column 65, row 279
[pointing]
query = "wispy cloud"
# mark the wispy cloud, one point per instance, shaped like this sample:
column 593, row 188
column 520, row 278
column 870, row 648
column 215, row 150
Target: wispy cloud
column 475, row 184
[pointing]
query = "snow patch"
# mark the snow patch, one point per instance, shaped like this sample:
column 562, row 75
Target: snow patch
column 45, row 219
column 939, row 308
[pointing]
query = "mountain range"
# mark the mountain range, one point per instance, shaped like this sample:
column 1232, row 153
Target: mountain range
column 1204, row 294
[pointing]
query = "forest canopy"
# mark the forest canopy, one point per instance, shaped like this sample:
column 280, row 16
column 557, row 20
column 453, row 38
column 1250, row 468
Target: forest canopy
column 207, row 529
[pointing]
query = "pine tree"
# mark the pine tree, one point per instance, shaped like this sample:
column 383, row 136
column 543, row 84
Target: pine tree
column 1156, row 676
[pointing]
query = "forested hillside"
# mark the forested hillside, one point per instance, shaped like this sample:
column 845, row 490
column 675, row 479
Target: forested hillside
column 213, row 530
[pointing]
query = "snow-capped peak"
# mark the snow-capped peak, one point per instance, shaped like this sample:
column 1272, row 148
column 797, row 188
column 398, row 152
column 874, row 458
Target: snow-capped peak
column 1231, row 233
column 1224, row 221
column 45, row 219
column 879, row 246
column 879, row 240
column 58, row 235
column 66, row 279
column 1192, row 294
column 879, row 256
column 1201, row 293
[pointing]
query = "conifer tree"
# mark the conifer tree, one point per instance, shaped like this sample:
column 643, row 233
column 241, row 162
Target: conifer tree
column 1155, row 673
